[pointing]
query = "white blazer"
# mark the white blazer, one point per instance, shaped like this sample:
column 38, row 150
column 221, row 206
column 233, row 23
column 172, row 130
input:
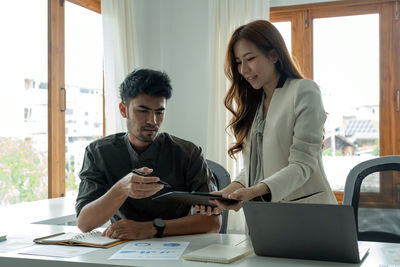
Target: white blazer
column 292, row 137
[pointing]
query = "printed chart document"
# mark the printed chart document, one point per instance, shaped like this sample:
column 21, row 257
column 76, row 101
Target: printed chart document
column 90, row 239
column 57, row 251
column 392, row 255
column 218, row 253
column 154, row 250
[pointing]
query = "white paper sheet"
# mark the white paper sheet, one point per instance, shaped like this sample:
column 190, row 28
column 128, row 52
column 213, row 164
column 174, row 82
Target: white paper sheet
column 57, row 251
column 14, row 242
column 155, row 250
column 392, row 255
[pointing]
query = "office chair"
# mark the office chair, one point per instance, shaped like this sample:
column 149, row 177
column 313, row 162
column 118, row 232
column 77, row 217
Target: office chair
column 373, row 224
column 223, row 179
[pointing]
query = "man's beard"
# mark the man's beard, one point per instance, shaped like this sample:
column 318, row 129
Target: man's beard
column 147, row 138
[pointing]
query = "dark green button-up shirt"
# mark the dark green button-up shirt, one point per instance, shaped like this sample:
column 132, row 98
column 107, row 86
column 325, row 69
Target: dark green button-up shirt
column 176, row 161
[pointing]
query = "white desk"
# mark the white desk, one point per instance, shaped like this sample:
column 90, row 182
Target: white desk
column 100, row 257
column 56, row 211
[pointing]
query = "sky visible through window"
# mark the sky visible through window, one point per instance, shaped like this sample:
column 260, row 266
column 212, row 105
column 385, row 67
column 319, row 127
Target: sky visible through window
column 23, row 52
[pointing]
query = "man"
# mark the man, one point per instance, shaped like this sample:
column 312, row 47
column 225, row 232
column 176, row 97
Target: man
column 110, row 190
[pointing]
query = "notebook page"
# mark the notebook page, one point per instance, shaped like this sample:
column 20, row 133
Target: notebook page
column 93, row 237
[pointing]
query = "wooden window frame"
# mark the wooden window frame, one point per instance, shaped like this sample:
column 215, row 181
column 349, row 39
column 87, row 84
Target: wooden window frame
column 301, row 18
column 94, row 5
column 56, row 92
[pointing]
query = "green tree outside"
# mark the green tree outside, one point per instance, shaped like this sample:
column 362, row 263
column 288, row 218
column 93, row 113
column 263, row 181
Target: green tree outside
column 23, row 172
column 376, row 151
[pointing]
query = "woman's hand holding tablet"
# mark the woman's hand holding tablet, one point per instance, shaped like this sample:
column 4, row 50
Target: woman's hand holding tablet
column 193, row 198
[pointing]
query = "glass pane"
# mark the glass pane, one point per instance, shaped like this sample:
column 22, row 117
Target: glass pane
column 378, row 217
column 285, row 28
column 84, row 87
column 369, row 183
column 346, row 67
column 23, row 101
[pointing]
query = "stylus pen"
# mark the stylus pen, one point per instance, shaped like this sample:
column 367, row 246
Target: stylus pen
column 159, row 182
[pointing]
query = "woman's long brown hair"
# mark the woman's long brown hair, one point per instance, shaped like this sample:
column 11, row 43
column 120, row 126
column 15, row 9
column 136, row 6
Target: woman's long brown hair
column 241, row 99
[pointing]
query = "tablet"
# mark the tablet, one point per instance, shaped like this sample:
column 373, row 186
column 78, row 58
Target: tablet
column 193, row 198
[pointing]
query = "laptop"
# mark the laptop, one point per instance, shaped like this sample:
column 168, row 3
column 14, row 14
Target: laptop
column 304, row 231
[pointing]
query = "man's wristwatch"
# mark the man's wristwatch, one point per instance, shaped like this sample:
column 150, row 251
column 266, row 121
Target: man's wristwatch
column 159, row 224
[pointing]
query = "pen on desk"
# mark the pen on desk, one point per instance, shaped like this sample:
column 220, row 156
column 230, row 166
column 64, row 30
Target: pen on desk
column 136, row 171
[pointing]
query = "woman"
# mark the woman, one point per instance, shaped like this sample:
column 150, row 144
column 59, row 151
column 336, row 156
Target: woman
column 278, row 120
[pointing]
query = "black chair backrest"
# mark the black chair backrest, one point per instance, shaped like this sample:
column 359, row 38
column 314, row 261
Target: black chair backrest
column 373, row 224
column 223, row 179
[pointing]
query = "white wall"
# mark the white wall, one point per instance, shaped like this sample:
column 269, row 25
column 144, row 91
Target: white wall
column 173, row 37
column 148, row 32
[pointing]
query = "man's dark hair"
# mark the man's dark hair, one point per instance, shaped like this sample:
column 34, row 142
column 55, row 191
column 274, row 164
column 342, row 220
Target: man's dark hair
column 145, row 81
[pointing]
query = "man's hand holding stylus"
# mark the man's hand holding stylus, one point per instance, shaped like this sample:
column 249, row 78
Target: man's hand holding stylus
column 137, row 186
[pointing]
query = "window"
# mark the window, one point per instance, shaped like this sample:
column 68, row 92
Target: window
column 32, row 140
column 351, row 49
column 23, row 107
column 346, row 67
column 84, row 87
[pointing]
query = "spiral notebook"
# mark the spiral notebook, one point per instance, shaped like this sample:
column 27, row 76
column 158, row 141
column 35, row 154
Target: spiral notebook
column 218, row 253
column 90, row 239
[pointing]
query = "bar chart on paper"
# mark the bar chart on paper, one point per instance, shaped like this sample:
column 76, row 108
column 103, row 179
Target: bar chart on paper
column 155, row 250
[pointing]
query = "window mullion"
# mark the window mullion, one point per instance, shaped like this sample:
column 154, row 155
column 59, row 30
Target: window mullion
column 56, row 99
column 302, row 41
